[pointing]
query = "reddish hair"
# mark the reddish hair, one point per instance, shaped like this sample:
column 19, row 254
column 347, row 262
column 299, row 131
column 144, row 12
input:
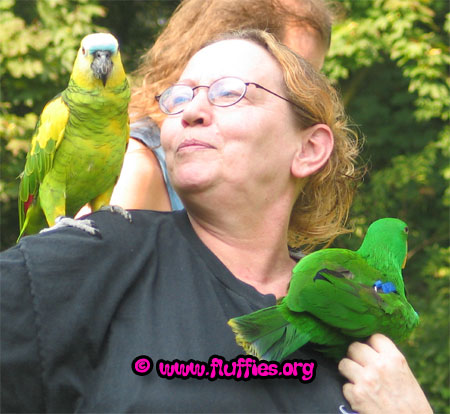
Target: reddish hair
column 194, row 22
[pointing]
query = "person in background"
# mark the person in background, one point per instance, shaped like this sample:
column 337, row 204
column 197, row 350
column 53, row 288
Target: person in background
column 303, row 25
column 77, row 309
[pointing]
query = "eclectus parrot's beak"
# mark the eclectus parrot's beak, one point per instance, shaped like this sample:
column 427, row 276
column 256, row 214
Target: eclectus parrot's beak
column 102, row 65
column 406, row 257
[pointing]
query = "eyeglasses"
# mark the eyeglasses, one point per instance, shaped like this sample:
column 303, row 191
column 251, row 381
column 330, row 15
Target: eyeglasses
column 222, row 92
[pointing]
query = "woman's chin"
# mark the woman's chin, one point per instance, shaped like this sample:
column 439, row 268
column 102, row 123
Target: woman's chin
column 192, row 179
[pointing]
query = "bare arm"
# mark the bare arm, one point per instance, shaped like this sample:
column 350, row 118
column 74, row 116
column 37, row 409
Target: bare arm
column 141, row 184
column 380, row 379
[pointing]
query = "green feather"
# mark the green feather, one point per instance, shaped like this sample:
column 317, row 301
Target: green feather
column 332, row 299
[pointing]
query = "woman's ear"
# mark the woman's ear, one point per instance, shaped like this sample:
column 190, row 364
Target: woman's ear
column 314, row 150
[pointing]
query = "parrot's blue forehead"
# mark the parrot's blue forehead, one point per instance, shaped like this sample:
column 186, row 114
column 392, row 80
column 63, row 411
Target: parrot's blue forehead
column 100, row 41
column 109, row 47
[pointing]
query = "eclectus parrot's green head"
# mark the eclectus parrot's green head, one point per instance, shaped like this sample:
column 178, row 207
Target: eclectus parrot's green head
column 98, row 62
column 386, row 239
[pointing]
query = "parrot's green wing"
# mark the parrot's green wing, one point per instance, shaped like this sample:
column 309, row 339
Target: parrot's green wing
column 46, row 139
column 338, row 289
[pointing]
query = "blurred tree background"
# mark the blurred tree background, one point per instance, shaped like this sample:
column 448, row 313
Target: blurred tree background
column 389, row 59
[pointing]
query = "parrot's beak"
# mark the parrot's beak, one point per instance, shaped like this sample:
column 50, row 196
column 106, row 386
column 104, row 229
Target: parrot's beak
column 406, row 257
column 102, row 65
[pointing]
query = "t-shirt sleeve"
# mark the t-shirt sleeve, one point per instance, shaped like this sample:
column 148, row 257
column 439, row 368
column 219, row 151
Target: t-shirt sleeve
column 21, row 369
column 147, row 132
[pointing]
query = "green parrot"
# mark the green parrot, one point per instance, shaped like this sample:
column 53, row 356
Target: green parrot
column 79, row 142
column 336, row 296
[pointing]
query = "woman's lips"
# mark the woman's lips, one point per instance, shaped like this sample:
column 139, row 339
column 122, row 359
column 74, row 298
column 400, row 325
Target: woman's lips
column 194, row 144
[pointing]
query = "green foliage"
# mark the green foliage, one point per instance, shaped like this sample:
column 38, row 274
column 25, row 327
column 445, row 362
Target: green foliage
column 147, row 17
column 388, row 57
column 37, row 58
column 390, row 60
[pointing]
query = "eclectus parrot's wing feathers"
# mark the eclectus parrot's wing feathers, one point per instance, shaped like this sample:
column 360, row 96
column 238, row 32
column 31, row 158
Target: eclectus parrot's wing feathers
column 47, row 137
column 352, row 307
column 341, row 273
column 339, row 263
column 342, row 290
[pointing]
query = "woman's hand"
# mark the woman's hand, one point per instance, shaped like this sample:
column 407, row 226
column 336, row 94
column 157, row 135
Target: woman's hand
column 380, row 379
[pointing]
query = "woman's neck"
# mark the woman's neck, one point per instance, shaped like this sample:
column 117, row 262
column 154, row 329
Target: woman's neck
column 255, row 251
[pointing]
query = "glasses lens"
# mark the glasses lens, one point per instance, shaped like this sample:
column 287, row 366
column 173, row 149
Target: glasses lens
column 226, row 91
column 174, row 99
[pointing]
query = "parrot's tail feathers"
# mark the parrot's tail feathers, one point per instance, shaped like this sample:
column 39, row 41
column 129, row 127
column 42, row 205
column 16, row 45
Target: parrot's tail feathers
column 289, row 342
column 27, row 204
column 266, row 334
column 22, row 231
column 24, row 220
column 32, row 221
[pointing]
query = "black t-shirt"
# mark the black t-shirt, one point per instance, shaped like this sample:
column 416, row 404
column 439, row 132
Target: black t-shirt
column 78, row 309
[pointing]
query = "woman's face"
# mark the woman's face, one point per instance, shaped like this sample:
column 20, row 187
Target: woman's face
column 240, row 149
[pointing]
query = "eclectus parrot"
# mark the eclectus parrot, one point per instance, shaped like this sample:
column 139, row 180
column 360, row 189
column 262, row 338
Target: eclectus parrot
column 336, row 296
column 79, row 142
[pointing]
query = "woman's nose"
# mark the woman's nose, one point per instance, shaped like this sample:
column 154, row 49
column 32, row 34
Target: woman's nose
column 198, row 111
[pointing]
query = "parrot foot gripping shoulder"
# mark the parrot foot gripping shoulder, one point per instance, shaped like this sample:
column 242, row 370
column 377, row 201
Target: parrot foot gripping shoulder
column 119, row 210
column 86, row 225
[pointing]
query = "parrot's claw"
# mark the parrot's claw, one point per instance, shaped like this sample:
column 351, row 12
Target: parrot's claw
column 86, row 225
column 119, row 210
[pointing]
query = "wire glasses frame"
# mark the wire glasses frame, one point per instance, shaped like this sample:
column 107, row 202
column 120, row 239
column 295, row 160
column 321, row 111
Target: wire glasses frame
column 222, row 92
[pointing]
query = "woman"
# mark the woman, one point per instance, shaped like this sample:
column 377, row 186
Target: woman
column 79, row 309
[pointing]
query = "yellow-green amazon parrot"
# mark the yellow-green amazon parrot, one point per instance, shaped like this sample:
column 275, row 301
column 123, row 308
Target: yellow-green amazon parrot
column 79, row 142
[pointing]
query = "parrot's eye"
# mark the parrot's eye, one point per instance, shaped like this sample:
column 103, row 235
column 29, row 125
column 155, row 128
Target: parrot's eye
column 83, row 50
column 406, row 230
